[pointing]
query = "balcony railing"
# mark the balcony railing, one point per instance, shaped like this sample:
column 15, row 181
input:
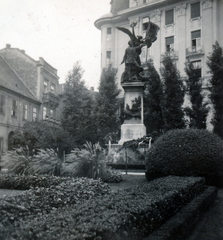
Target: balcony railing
column 51, row 98
column 172, row 54
column 196, row 50
column 51, row 122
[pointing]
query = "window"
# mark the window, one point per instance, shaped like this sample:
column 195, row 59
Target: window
column 2, row 104
column 195, row 40
column 51, row 113
column 109, row 31
column 52, row 87
column 34, row 114
column 44, row 113
column 169, row 17
column 197, row 67
column 195, row 10
column 108, row 58
column 170, row 44
column 25, row 111
column 1, row 147
column 45, row 84
column 14, row 108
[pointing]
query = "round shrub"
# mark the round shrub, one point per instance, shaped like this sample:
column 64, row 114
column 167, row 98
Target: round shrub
column 187, row 152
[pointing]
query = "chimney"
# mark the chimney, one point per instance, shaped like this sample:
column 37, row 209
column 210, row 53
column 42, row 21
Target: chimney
column 8, row 45
column 23, row 51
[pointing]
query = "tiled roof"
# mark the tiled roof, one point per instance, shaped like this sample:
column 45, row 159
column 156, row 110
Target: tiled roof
column 10, row 80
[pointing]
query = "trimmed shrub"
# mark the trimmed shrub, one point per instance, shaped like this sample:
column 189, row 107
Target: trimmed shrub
column 188, row 152
column 87, row 209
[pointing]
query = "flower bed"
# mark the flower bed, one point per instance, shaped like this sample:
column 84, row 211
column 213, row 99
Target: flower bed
column 86, row 209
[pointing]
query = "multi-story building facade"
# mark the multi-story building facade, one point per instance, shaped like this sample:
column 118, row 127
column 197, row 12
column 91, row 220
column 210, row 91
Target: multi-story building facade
column 188, row 29
column 28, row 92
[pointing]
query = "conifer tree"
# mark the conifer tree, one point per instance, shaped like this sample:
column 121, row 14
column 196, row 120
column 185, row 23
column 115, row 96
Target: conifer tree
column 78, row 107
column 198, row 111
column 153, row 114
column 215, row 63
column 107, row 104
column 173, row 95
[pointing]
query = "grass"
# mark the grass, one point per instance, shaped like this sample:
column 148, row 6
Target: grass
column 129, row 180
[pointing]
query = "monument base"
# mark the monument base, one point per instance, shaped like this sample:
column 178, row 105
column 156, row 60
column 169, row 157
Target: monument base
column 132, row 131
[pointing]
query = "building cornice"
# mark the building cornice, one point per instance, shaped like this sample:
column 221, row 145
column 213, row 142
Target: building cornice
column 19, row 95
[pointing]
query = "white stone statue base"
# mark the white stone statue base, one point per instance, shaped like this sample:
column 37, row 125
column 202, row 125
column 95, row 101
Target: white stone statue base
column 131, row 131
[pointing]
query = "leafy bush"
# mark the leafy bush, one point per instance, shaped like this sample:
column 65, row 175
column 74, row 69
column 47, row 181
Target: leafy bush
column 25, row 182
column 109, row 175
column 187, row 152
column 42, row 200
column 94, row 212
column 40, row 135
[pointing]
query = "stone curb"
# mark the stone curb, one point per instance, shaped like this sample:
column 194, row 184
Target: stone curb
column 181, row 225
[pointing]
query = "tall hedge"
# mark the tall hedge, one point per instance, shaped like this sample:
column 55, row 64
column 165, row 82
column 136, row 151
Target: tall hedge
column 187, row 152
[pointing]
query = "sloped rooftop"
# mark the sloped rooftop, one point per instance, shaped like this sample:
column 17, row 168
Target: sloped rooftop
column 10, row 80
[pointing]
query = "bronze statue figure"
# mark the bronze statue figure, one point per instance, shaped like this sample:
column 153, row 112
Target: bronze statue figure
column 131, row 58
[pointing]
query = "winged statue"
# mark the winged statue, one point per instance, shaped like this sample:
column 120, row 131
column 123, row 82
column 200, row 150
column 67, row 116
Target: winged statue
column 131, row 57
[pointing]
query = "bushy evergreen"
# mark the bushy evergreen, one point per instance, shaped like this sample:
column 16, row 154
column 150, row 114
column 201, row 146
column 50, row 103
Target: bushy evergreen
column 107, row 119
column 215, row 63
column 198, row 111
column 77, row 114
column 173, row 95
column 153, row 114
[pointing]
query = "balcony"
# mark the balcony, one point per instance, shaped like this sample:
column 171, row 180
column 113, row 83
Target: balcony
column 195, row 51
column 51, row 98
column 52, row 122
column 172, row 54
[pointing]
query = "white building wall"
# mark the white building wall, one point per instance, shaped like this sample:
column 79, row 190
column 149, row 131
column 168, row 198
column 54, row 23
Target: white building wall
column 210, row 23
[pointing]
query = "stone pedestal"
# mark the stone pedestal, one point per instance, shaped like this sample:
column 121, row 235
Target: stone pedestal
column 133, row 126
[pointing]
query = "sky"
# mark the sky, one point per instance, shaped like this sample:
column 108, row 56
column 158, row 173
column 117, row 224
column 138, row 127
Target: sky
column 60, row 31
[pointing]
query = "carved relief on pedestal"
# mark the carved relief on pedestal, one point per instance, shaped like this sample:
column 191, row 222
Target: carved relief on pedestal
column 156, row 16
column 207, row 4
column 181, row 9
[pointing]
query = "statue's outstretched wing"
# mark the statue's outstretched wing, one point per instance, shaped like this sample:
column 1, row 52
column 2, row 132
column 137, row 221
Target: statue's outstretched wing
column 151, row 33
column 127, row 31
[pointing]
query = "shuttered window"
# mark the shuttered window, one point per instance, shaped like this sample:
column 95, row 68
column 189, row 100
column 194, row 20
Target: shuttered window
column 169, row 17
column 195, row 10
column 196, row 34
column 169, row 40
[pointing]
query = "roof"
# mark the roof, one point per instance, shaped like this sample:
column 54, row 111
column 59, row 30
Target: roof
column 10, row 80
